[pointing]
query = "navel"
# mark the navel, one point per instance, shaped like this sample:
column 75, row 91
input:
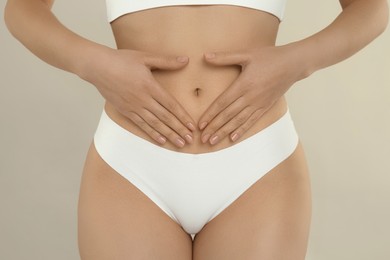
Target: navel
column 197, row 92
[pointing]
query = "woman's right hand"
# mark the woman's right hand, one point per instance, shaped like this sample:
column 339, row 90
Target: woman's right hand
column 123, row 77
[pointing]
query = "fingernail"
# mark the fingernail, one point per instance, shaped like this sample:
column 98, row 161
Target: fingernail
column 180, row 142
column 205, row 138
column 188, row 138
column 161, row 140
column 210, row 55
column 214, row 140
column 191, row 126
column 234, row 137
column 202, row 125
column 182, row 59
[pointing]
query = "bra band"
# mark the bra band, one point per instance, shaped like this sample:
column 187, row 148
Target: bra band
column 117, row 8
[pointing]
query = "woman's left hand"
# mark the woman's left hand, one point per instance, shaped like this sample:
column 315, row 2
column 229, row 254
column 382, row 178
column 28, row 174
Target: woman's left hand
column 267, row 73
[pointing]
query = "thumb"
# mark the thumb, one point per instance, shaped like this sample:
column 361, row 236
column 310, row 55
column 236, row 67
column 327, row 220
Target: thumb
column 153, row 61
column 221, row 58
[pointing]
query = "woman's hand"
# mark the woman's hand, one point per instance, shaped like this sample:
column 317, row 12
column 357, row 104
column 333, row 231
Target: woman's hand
column 267, row 73
column 124, row 78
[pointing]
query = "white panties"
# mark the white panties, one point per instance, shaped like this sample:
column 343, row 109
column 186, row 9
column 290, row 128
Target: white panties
column 194, row 188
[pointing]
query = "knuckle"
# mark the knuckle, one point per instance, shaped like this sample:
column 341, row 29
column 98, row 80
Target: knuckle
column 181, row 115
column 231, row 115
column 256, row 115
column 242, row 100
column 223, row 132
column 154, row 134
column 252, row 120
column 171, row 135
column 224, row 115
column 165, row 117
column 154, row 122
column 182, row 131
column 141, row 123
column 241, row 119
column 211, row 127
column 135, row 118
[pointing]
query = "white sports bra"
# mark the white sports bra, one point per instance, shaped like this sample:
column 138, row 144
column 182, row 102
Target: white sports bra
column 116, row 8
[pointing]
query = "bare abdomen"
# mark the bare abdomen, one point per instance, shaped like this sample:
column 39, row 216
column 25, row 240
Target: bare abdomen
column 192, row 31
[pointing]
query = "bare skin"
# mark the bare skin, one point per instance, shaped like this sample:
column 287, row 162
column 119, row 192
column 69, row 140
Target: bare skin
column 240, row 91
column 269, row 221
column 285, row 227
column 196, row 86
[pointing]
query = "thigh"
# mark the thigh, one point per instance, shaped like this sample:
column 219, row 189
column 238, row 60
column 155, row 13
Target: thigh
column 117, row 221
column 269, row 221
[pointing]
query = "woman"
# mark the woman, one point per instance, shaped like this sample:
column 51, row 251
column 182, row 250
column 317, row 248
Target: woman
column 195, row 157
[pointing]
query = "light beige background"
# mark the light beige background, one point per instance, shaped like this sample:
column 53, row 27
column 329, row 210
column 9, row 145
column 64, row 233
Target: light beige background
column 48, row 117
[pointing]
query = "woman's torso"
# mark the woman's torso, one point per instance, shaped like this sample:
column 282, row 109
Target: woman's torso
column 192, row 31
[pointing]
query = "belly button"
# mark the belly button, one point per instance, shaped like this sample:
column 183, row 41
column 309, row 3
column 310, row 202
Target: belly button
column 197, row 91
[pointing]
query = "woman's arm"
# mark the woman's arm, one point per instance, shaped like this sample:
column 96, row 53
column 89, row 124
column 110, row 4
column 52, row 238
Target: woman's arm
column 267, row 73
column 35, row 26
column 123, row 77
column 360, row 22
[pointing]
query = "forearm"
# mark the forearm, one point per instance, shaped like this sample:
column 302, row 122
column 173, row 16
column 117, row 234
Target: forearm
column 34, row 25
column 360, row 22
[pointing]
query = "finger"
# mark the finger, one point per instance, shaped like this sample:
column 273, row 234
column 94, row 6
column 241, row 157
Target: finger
column 233, row 124
column 165, row 62
column 240, row 131
column 173, row 106
column 227, row 58
column 146, row 128
column 156, row 124
column 171, row 121
column 223, row 118
column 225, row 99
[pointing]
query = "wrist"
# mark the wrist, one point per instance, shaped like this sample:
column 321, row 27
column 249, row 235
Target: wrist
column 299, row 52
column 89, row 57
